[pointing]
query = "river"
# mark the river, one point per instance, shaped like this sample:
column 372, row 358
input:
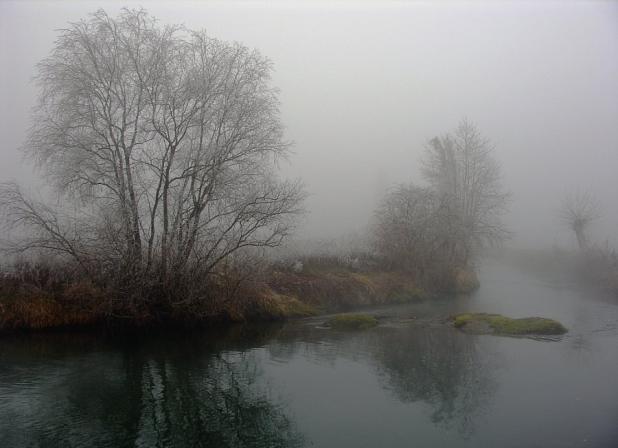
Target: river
column 412, row 381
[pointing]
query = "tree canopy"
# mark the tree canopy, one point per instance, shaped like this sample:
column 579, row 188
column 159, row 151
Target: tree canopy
column 165, row 140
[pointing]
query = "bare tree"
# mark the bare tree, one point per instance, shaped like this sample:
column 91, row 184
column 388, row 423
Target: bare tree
column 578, row 211
column 414, row 230
column 434, row 231
column 404, row 220
column 461, row 169
column 50, row 230
column 166, row 139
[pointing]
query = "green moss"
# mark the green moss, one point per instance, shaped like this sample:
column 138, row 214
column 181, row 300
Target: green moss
column 501, row 325
column 353, row 322
column 461, row 320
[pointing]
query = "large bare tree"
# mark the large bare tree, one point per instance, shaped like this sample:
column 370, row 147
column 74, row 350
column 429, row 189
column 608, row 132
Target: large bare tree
column 166, row 139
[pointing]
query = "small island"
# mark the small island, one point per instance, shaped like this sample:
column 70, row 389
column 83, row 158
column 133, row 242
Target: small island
column 483, row 323
column 352, row 322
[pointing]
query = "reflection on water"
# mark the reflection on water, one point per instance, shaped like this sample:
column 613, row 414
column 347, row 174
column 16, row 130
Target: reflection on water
column 299, row 384
column 200, row 390
column 155, row 393
column 439, row 367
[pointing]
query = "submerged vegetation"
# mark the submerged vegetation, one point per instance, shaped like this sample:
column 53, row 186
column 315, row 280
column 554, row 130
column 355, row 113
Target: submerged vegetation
column 500, row 325
column 352, row 322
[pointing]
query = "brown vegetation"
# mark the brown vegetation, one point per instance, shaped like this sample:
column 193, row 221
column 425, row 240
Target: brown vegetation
column 344, row 290
column 35, row 296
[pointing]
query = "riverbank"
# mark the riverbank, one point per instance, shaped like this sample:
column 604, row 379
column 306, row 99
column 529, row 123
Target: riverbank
column 280, row 294
column 596, row 266
column 413, row 378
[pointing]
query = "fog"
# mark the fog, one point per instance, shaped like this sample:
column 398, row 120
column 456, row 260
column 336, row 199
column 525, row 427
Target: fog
column 176, row 277
column 364, row 85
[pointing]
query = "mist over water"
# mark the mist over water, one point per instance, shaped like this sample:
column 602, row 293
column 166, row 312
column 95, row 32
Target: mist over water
column 160, row 286
column 300, row 384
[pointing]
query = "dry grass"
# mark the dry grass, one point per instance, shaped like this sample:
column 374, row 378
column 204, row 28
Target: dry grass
column 345, row 289
column 33, row 308
column 41, row 298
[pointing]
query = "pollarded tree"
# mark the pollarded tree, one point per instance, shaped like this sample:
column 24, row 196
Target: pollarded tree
column 166, row 138
column 578, row 211
column 461, row 169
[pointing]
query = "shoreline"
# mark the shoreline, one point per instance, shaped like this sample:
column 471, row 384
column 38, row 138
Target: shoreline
column 283, row 295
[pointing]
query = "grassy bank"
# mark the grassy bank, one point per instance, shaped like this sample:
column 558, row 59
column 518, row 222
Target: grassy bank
column 38, row 299
column 340, row 290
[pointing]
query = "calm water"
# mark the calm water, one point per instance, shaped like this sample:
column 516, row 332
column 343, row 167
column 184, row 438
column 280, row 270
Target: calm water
column 409, row 382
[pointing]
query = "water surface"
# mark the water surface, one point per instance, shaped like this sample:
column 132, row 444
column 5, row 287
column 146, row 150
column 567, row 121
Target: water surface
column 412, row 381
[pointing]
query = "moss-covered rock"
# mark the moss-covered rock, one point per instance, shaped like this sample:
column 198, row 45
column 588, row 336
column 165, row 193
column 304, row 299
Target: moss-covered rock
column 352, row 322
column 482, row 323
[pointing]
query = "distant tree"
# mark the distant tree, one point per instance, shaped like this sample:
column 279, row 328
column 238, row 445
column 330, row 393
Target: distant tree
column 461, row 170
column 164, row 140
column 407, row 230
column 434, row 231
column 414, row 231
column 578, row 211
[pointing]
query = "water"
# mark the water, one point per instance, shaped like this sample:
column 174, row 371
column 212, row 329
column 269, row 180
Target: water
column 413, row 381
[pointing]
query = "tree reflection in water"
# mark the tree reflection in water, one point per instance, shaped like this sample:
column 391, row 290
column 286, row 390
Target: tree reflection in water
column 220, row 406
column 207, row 390
column 431, row 364
column 440, row 367
column 171, row 394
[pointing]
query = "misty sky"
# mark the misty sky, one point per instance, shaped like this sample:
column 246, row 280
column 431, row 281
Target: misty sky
column 365, row 84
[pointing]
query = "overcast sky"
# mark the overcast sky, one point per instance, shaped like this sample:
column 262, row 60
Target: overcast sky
column 365, row 84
